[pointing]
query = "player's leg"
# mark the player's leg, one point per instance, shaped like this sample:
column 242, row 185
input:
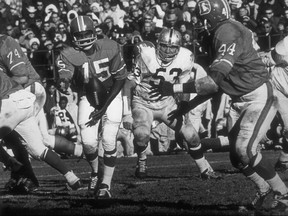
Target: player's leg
column 31, row 134
column 110, row 127
column 254, row 122
column 185, row 131
column 89, row 138
column 25, row 176
column 282, row 103
column 142, row 121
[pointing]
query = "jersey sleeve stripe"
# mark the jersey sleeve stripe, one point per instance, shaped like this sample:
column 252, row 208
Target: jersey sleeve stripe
column 19, row 63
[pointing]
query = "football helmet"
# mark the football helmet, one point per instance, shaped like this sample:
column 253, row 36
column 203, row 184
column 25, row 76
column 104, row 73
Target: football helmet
column 83, row 32
column 212, row 12
column 168, row 44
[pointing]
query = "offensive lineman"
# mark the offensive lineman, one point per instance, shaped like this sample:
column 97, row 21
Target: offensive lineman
column 95, row 59
column 238, row 71
column 172, row 63
column 20, row 107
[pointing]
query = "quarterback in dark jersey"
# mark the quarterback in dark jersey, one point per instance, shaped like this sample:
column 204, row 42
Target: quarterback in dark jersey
column 238, row 71
column 91, row 61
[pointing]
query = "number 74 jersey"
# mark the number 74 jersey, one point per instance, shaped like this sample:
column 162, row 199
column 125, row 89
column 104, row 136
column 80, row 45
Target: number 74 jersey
column 149, row 69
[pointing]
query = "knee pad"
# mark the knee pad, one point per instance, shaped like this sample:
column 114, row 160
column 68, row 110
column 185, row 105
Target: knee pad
column 141, row 136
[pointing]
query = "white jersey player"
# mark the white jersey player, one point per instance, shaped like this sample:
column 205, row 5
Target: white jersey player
column 171, row 63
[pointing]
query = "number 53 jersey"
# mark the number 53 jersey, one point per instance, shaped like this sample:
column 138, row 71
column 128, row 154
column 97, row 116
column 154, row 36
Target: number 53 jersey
column 106, row 63
column 149, row 69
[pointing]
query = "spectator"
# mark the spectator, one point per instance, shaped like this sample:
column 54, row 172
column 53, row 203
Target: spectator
column 148, row 33
column 24, row 39
column 50, row 31
column 55, row 19
column 11, row 31
column 268, row 37
column 135, row 21
column 243, row 17
column 40, row 10
column 63, row 31
column 37, row 28
column 49, row 57
column 50, row 103
column 14, row 14
column 117, row 14
column 6, row 16
column 111, row 27
column 31, row 18
column 269, row 13
column 275, row 5
column 36, row 57
column 191, row 5
column 106, row 10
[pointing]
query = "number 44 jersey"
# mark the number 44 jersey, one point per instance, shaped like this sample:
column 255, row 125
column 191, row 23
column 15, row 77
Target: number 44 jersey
column 149, row 69
column 104, row 63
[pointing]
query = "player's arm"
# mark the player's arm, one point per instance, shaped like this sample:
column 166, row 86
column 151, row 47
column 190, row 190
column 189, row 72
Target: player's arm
column 119, row 74
column 65, row 70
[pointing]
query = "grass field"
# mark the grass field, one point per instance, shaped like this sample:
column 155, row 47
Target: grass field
column 173, row 187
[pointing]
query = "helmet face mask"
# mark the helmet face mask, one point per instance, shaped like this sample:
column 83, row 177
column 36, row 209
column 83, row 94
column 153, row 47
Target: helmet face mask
column 212, row 12
column 83, row 32
column 168, row 45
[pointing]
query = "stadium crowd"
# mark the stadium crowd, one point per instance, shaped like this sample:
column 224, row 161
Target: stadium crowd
column 42, row 29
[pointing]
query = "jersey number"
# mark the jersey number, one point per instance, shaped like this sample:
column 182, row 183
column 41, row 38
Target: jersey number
column 161, row 72
column 224, row 49
column 101, row 67
column 11, row 55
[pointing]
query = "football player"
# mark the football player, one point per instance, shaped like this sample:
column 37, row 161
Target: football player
column 238, row 71
column 93, row 66
column 171, row 63
column 20, row 108
column 279, row 79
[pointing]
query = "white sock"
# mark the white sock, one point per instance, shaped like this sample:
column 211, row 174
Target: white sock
column 71, row 177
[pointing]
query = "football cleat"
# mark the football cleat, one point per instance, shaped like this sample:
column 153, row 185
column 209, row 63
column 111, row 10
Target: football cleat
column 280, row 202
column 26, row 185
column 103, row 192
column 74, row 187
column 281, row 166
column 209, row 174
column 258, row 201
column 11, row 185
column 141, row 169
column 93, row 182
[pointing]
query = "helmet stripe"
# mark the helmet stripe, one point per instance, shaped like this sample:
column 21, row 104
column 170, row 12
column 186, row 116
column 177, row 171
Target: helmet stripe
column 226, row 8
column 170, row 36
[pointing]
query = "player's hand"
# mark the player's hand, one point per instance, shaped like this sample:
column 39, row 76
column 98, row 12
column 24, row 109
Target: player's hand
column 164, row 88
column 182, row 109
column 95, row 116
column 127, row 122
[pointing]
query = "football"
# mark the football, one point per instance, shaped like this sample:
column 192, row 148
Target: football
column 96, row 93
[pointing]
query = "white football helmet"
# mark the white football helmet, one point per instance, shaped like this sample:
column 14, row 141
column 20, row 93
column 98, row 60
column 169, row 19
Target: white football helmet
column 168, row 45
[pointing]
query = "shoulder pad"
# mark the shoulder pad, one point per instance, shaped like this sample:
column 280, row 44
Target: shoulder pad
column 75, row 57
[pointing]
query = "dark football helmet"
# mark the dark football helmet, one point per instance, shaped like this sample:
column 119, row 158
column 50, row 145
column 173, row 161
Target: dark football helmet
column 212, row 12
column 83, row 32
column 168, row 44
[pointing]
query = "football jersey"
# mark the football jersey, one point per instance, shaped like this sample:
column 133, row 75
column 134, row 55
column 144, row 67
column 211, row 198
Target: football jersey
column 105, row 63
column 237, row 68
column 12, row 62
column 149, row 69
column 63, row 118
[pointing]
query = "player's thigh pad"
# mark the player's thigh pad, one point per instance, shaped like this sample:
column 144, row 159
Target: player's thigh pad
column 32, row 137
column 111, row 122
column 15, row 109
column 89, row 135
